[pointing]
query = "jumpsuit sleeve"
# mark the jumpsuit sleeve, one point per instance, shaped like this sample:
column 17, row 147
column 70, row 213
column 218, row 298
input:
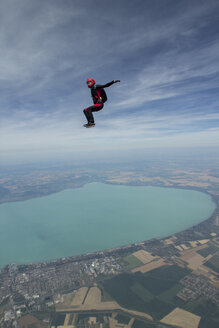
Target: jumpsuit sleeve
column 101, row 86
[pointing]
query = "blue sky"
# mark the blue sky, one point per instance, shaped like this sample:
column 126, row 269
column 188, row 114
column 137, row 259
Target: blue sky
column 165, row 52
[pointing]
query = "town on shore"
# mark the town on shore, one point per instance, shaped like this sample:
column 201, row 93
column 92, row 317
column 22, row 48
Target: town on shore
column 39, row 288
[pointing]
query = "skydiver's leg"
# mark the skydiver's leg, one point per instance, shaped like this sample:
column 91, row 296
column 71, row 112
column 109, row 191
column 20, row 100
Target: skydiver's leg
column 88, row 111
column 86, row 114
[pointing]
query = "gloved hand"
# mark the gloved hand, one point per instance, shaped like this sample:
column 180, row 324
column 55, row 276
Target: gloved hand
column 115, row 81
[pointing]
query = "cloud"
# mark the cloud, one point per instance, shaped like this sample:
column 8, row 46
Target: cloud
column 173, row 73
column 55, row 132
column 164, row 54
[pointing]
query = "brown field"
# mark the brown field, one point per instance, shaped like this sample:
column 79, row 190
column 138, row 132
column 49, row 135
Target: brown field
column 131, row 323
column 143, row 256
column 71, row 299
column 67, row 317
column 68, row 298
column 92, row 320
column 87, row 307
column 93, row 303
column 109, row 306
column 191, row 179
column 170, row 241
column 30, row 321
column 203, row 241
column 185, row 182
column 184, row 247
column 182, row 318
column 79, row 296
column 193, row 243
column 150, row 266
column 179, row 248
column 190, row 252
column 193, row 259
column 113, row 323
column 93, row 296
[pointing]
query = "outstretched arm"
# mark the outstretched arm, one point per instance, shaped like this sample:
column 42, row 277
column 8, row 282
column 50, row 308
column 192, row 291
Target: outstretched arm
column 107, row 84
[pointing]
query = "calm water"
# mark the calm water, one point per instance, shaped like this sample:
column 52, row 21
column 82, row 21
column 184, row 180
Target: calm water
column 95, row 217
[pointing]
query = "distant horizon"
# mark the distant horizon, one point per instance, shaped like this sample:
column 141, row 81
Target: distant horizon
column 49, row 156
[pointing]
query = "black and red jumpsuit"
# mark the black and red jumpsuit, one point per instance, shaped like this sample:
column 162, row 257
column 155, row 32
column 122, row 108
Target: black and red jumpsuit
column 98, row 103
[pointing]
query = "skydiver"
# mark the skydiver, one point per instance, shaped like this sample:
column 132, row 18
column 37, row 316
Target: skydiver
column 99, row 98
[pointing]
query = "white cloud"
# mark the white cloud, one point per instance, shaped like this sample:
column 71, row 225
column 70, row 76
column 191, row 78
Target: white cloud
column 49, row 48
column 55, row 132
column 173, row 74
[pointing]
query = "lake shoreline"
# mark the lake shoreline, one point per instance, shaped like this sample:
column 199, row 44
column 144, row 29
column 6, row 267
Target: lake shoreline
column 127, row 248
column 199, row 189
column 147, row 240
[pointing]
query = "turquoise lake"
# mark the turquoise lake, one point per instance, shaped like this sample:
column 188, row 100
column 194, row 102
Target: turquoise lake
column 95, row 217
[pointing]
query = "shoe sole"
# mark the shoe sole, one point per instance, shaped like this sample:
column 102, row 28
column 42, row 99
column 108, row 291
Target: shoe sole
column 89, row 126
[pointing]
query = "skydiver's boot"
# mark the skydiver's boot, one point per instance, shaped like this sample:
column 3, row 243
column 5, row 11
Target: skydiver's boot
column 89, row 125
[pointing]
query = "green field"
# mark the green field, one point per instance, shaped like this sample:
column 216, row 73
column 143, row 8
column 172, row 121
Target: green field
column 105, row 297
column 141, row 292
column 213, row 263
column 131, row 262
column 161, row 279
column 146, row 292
column 207, row 310
column 211, row 249
column 170, row 294
column 142, row 324
column 58, row 319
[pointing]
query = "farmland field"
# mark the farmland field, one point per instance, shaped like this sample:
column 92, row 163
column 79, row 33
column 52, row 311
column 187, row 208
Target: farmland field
column 213, row 263
column 146, row 292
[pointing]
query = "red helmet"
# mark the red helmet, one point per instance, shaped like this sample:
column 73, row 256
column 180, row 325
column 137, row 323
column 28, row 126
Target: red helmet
column 90, row 83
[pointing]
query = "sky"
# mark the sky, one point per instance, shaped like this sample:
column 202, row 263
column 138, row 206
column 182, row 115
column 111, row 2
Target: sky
column 165, row 52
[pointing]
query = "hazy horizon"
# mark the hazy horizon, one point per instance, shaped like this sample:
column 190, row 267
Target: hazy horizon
column 208, row 156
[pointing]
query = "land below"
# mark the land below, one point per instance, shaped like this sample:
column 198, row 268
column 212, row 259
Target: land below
column 168, row 282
